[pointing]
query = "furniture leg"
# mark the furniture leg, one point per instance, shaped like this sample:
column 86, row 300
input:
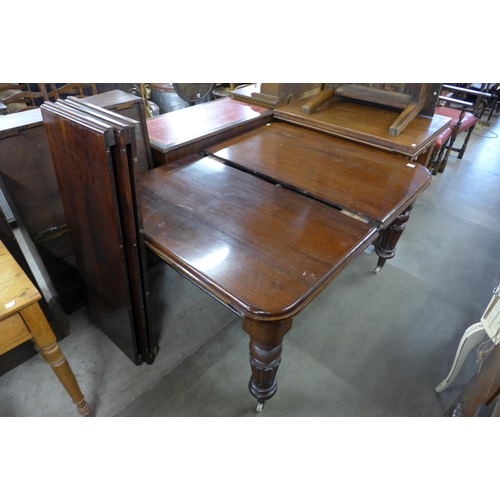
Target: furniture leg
column 435, row 160
column 266, row 340
column 44, row 339
column 466, row 141
column 425, row 157
column 481, row 391
column 472, row 336
column 323, row 96
column 389, row 237
column 438, row 159
column 448, row 149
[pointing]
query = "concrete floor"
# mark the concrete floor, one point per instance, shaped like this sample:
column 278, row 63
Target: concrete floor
column 369, row 345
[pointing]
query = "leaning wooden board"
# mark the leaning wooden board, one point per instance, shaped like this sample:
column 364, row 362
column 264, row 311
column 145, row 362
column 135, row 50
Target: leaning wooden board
column 86, row 164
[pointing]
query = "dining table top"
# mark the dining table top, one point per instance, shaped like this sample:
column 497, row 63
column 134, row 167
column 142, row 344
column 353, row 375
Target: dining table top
column 262, row 250
column 372, row 184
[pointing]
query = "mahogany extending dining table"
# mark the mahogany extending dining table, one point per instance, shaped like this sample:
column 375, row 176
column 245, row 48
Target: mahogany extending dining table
column 209, row 217
column 262, row 219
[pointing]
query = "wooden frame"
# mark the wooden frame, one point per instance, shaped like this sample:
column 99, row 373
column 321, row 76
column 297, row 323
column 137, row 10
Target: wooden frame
column 412, row 98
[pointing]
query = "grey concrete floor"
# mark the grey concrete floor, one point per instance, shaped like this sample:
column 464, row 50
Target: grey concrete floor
column 369, row 345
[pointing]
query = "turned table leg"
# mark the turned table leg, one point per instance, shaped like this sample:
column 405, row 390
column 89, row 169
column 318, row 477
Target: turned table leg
column 47, row 345
column 389, row 237
column 266, row 340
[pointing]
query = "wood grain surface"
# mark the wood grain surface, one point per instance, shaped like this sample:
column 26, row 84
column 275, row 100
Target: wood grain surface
column 375, row 184
column 262, row 250
column 367, row 124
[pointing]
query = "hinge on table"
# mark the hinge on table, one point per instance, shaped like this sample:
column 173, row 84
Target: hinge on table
column 51, row 234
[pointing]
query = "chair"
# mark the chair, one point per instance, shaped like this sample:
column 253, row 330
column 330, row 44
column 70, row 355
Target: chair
column 21, row 319
column 6, row 90
column 488, row 328
column 492, row 104
column 20, row 97
column 440, row 153
column 461, row 120
column 52, row 92
column 464, row 115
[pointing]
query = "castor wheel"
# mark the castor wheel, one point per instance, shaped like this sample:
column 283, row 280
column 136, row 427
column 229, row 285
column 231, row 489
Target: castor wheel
column 260, row 407
column 377, row 269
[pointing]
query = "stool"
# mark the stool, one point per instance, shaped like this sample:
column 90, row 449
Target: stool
column 21, row 319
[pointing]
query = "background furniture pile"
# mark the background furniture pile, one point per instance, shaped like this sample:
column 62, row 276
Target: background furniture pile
column 208, row 190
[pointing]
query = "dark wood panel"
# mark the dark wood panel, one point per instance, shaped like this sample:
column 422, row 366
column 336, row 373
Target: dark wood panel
column 25, row 158
column 130, row 215
column 29, row 184
column 131, row 106
column 81, row 152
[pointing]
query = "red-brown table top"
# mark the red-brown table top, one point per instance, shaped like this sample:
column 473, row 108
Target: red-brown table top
column 186, row 125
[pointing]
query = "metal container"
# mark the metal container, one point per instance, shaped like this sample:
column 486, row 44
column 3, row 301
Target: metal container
column 164, row 95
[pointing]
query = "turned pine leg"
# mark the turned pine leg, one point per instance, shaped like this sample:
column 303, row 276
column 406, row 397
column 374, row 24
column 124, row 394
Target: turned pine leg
column 266, row 340
column 46, row 342
column 389, row 237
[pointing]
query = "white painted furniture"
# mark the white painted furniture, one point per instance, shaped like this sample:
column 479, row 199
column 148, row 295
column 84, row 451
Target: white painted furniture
column 489, row 326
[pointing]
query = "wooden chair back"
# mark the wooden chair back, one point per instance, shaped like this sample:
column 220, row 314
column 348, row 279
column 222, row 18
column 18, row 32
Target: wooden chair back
column 52, row 92
column 18, row 97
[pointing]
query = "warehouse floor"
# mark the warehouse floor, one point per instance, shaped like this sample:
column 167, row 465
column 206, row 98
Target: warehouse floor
column 369, row 345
